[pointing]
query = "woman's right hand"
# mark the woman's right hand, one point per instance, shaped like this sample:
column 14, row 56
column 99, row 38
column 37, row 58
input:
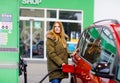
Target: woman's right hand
column 75, row 52
column 63, row 64
column 72, row 54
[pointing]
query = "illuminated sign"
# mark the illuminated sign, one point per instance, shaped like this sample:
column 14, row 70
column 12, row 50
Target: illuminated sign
column 31, row 1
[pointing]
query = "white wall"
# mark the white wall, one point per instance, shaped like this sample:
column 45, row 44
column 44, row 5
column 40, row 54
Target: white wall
column 107, row 9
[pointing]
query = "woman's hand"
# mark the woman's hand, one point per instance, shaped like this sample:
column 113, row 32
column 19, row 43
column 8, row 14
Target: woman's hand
column 72, row 54
column 63, row 64
column 75, row 52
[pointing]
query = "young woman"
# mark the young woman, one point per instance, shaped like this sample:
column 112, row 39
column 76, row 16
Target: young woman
column 57, row 53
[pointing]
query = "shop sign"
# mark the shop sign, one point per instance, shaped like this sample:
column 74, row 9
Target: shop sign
column 31, row 1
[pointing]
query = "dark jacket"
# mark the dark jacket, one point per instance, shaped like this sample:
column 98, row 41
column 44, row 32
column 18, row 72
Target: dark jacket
column 56, row 55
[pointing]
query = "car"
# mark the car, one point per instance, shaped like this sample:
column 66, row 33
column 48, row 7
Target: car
column 102, row 66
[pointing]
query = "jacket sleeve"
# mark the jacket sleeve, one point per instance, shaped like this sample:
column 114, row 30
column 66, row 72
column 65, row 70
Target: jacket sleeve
column 69, row 53
column 51, row 52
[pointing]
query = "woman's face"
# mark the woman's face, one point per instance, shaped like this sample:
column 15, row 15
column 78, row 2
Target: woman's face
column 57, row 28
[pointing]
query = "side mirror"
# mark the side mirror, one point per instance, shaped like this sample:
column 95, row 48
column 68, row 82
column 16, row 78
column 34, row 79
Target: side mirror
column 102, row 70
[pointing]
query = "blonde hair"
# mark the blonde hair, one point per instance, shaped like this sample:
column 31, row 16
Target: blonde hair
column 60, row 37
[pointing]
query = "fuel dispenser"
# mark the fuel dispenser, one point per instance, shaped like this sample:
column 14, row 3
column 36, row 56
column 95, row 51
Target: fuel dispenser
column 9, row 41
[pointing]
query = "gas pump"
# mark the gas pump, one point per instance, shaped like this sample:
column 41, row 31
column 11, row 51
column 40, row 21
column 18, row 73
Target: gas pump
column 9, row 41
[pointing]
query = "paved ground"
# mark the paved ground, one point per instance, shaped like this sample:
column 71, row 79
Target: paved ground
column 36, row 70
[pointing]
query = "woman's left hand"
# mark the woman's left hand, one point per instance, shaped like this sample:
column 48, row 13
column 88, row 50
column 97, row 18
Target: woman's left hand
column 75, row 52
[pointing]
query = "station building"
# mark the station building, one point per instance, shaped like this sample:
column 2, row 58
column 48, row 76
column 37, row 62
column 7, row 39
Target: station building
column 37, row 17
column 24, row 24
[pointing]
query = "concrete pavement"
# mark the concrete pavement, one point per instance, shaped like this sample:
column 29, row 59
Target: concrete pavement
column 36, row 70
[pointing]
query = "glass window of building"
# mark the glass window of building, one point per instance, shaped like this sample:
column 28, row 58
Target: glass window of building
column 51, row 14
column 34, row 23
column 38, row 39
column 32, row 12
column 25, row 38
column 73, row 30
column 70, row 15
